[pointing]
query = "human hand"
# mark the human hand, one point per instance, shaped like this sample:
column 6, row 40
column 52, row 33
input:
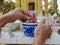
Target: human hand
column 15, row 14
column 18, row 14
column 42, row 32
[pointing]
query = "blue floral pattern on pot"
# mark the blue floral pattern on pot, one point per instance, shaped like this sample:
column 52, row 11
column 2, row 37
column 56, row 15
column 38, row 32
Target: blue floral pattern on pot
column 29, row 28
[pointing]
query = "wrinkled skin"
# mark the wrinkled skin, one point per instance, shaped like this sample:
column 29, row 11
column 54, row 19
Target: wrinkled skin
column 42, row 32
column 13, row 16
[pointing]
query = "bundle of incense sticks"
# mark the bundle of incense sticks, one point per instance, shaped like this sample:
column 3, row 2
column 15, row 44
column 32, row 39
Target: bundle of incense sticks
column 32, row 19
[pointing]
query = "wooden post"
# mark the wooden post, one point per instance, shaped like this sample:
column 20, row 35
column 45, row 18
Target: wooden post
column 39, row 6
column 25, row 5
column 17, row 3
column 46, row 8
column 36, row 6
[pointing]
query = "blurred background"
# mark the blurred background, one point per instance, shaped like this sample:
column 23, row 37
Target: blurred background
column 48, row 7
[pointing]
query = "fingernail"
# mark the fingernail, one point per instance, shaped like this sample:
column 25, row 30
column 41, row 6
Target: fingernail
column 27, row 21
column 28, row 18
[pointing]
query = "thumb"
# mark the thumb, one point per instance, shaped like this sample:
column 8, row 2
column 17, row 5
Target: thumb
column 42, row 21
column 47, row 23
column 26, row 17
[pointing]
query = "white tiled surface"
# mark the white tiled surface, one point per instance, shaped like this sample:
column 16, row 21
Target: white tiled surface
column 20, row 38
column 24, row 39
column 6, row 39
column 29, row 40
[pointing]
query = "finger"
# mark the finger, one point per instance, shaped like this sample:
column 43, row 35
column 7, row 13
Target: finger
column 42, row 21
column 26, row 17
column 18, row 9
column 24, row 12
column 47, row 23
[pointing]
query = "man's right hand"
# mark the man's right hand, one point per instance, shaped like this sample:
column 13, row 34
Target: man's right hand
column 42, row 32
